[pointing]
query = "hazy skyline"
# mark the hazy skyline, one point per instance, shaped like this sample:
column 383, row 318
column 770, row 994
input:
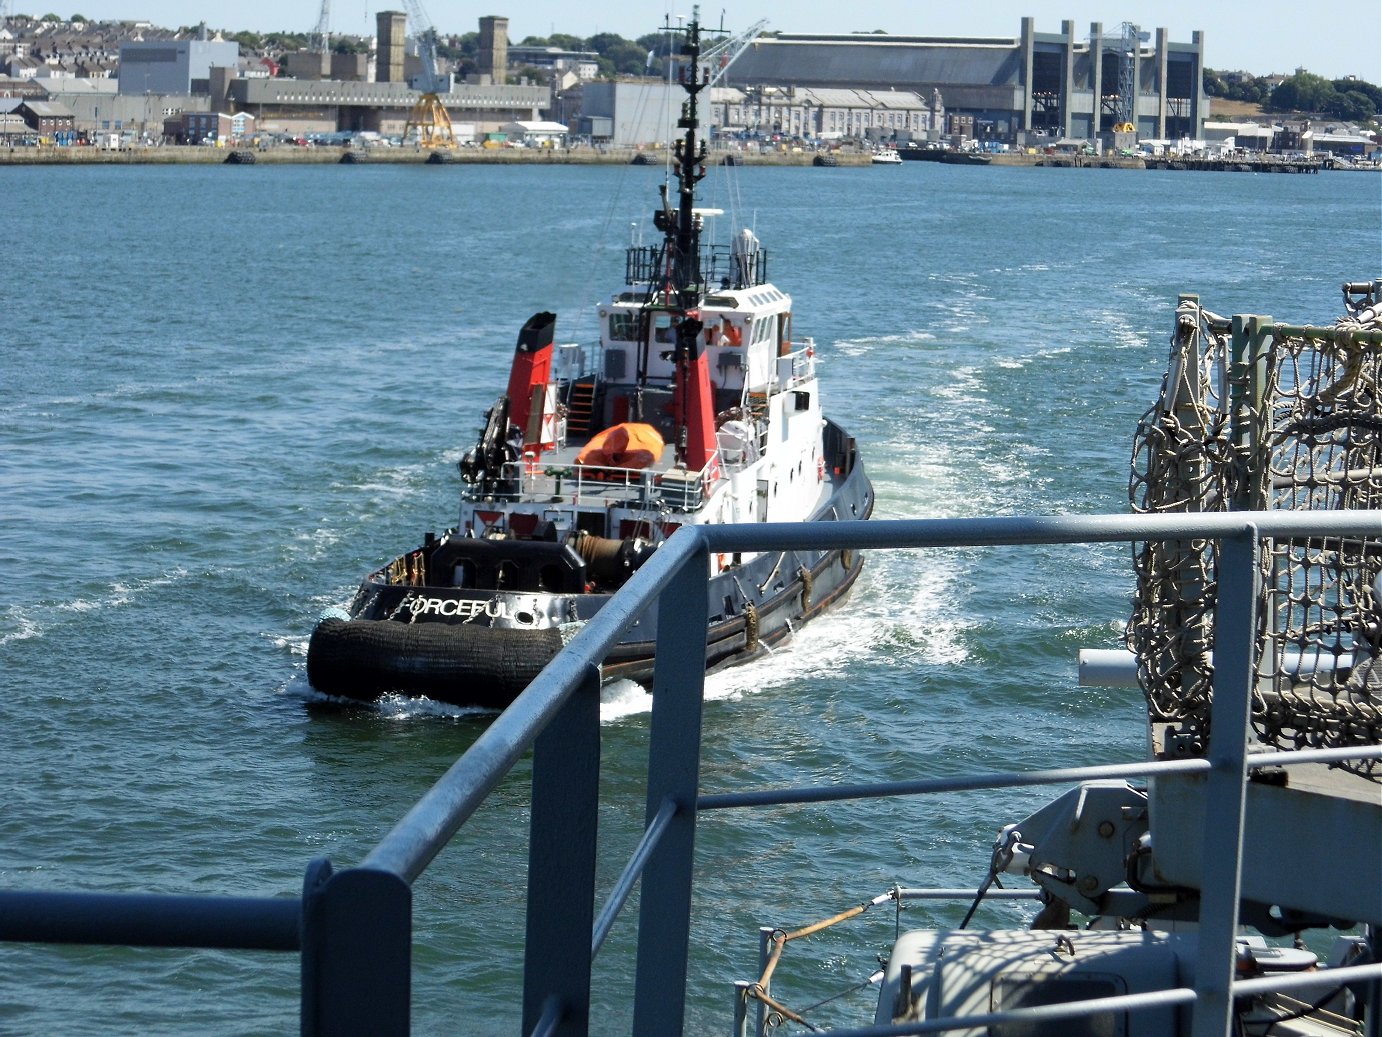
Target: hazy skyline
column 1332, row 38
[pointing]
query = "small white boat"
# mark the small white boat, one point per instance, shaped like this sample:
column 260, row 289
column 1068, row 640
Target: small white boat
column 886, row 157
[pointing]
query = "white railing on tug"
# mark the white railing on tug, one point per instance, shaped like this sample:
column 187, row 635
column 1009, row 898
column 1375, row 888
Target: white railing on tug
column 646, row 486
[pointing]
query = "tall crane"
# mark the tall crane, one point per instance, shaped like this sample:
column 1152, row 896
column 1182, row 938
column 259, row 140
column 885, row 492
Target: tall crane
column 716, row 58
column 429, row 118
column 321, row 35
column 1130, row 42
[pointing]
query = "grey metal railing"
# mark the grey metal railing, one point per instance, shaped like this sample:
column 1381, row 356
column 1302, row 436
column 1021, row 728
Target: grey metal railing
column 353, row 927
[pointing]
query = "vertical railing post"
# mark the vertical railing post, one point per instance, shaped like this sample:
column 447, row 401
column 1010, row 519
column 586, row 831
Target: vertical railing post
column 1249, row 372
column 765, row 943
column 1374, row 995
column 561, row 863
column 664, row 920
column 741, row 1007
column 1235, row 638
column 356, row 952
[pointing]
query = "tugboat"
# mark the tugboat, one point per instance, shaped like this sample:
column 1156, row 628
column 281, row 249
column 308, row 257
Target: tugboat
column 698, row 404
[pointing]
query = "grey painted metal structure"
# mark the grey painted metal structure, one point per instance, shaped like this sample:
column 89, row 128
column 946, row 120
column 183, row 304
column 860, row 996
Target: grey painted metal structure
column 173, row 66
column 639, row 111
column 353, row 927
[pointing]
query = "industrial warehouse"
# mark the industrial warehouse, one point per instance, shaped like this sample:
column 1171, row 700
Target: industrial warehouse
column 1039, row 85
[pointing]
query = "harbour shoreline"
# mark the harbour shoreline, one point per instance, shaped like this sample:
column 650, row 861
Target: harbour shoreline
column 175, row 154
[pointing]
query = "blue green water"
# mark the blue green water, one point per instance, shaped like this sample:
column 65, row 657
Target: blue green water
column 225, row 393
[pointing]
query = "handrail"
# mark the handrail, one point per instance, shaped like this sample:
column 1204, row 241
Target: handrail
column 1017, row 779
column 437, row 816
column 353, row 927
column 152, row 920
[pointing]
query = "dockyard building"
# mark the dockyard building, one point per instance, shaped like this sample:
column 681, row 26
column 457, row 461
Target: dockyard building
column 47, row 118
column 215, row 128
column 1034, row 86
column 12, row 124
column 173, row 66
column 827, row 113
column 536, row 134
column 306, row 107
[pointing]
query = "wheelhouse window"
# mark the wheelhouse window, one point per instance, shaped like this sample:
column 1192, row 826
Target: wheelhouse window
column 623, row 326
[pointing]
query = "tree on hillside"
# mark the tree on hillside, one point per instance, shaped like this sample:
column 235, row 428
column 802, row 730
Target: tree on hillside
column 1307, row 92
column 1235, row 86
column 1355, row 106
column 1303, row 92
column 560, row 40
column 466, row 45
column 287, row 40
column 619, row 56
column 1371, row 92
column 661, row 45
column 462, row 51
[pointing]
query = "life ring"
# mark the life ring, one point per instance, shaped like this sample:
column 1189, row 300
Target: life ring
column 820, row 469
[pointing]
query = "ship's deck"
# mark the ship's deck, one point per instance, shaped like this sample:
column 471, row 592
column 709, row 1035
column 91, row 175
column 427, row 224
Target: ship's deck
column 554, row 476
column 1302, row 832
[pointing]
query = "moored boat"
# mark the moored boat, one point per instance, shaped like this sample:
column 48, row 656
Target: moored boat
column 934, row 152
column 698, row 404
column 958, row 157
column 928, row 151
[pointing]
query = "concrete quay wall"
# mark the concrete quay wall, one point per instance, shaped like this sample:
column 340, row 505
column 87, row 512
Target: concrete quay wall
column 290, row 154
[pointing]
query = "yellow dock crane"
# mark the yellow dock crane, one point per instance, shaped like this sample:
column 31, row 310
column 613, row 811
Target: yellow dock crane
column 1130, row 41
column 428, row 118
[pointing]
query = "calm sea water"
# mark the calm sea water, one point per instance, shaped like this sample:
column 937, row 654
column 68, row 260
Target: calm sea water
column 225, row 393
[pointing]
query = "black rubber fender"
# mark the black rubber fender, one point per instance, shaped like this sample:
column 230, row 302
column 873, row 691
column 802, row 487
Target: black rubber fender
column 456, row 663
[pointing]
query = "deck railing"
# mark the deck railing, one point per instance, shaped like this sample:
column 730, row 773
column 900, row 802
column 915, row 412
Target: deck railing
column 353, row 927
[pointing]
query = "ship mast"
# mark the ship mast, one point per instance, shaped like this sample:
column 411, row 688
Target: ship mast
column 692, row 398
column 690, row 170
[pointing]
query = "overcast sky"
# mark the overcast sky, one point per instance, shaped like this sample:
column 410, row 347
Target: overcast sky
column 1330, row 37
